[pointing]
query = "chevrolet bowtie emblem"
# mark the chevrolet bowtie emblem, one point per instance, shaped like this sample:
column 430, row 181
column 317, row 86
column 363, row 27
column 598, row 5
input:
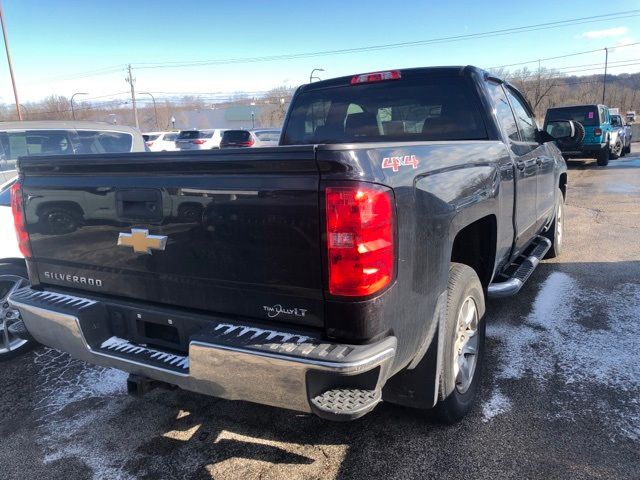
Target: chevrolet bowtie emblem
column 141, row 241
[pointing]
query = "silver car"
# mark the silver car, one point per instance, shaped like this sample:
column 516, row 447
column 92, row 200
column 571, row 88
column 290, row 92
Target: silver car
column 53, row 137
column 199, row 139
column 266, row 137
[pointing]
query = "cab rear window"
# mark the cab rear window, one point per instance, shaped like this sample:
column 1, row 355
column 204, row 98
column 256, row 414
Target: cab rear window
column 587, row 115
column 236, row 136
column 189, row 135
column 399, row 110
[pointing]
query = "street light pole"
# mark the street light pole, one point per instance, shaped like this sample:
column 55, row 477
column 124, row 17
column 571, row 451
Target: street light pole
column 73, row 112
column 311, row 77
column 13, row 78
column 155, row 110
column 253, row 120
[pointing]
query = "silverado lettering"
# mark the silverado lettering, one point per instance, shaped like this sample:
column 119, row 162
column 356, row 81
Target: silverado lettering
column 65, row 277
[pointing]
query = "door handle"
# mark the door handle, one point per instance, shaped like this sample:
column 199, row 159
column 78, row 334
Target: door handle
column 520, row 164
column 538, row 161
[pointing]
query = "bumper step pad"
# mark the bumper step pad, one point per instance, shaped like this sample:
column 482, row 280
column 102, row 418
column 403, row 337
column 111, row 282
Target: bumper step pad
column 345, row 403
column 140, row 353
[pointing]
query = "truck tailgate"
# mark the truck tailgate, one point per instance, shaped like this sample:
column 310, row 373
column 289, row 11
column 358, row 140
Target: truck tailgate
column 232, row 232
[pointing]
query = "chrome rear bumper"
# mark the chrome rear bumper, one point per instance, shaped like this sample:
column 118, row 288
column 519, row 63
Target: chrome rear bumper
column 228, row 360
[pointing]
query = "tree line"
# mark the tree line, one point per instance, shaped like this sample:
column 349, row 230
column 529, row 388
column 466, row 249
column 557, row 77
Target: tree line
column 544, row 88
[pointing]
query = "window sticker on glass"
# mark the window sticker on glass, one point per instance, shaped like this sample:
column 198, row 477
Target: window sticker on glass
column 590, row 115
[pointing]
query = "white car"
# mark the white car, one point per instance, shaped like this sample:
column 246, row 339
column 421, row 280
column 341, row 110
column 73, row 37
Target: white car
column 199, row 139
column 42, row 138
column 161, row 141
column 55, row 137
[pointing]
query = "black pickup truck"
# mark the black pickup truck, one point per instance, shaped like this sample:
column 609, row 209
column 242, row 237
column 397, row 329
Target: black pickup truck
column 346, row 266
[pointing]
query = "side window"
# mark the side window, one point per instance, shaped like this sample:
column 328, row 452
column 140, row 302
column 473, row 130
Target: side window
column 503, row 111
column 526, row 122
column 603, row 115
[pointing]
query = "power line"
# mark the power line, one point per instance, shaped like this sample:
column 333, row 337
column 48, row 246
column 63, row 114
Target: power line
column 80, row 75
column 562, row 56
column 507, row 31
column 614, row 66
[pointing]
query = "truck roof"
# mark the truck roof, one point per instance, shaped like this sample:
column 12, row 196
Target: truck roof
column 460, row 70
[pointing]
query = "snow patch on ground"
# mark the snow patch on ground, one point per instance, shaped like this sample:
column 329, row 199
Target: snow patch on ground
column 553, row 343
column 67, row 384
column 496, row 405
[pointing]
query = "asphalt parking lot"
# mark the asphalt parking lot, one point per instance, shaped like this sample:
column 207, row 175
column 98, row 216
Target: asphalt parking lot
column 560, row 398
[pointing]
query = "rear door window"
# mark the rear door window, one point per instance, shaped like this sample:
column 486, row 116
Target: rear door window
column 34, row 142
column 526, row 122
column 503, row 111
column 170, row 137
column 94, row 141
column 399, row 110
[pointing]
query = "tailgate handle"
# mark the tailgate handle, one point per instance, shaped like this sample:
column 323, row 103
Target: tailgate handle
column 139, row 204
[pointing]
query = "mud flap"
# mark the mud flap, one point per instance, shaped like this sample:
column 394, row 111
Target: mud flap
column 417, row 385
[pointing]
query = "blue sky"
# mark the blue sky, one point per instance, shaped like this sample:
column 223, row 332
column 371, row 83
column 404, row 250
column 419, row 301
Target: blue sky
column 51, row 41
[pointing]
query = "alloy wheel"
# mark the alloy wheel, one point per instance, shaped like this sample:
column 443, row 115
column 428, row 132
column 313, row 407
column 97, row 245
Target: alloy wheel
column 8, row 314
column 465, row 349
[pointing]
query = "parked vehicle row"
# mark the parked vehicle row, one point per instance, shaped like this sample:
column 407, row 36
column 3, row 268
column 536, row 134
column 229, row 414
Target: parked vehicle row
column 603, row 134
column 208, row 139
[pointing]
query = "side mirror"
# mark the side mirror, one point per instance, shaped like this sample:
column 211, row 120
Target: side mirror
column 566, row 133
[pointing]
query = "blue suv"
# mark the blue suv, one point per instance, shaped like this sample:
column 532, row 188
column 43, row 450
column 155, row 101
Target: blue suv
column 596, row 121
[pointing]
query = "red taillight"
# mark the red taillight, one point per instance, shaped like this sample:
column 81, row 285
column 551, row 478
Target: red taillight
column 376, row 77
column 360, row 239
column 149, row 144
column 248, row 143
column 18, row 219
column 198, row 142
column 597, row 132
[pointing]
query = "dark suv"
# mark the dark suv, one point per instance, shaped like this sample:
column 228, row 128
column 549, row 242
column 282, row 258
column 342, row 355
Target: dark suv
column 596, row 121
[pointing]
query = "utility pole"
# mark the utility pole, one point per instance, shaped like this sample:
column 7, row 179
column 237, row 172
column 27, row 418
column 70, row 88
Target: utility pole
column 13, row 78
column 604, row 80
column 130, row 80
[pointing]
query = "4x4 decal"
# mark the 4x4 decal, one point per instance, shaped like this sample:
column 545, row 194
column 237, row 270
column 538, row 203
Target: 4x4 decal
column 396, row 162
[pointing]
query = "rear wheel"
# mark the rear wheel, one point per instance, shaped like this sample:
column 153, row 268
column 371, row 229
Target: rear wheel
column 603, row 157
column 463, row 348
column 12, row 277
column 556, row 231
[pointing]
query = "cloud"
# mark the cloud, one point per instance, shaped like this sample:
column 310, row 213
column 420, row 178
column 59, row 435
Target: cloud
column 609, row 32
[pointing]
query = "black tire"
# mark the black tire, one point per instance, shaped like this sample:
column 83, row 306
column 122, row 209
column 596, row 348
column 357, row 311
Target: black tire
column 57, row 220
column 626, row 150
column 616, row 149
column 556, row 231
column 455, row 402
column 603, row 157
column 13, row 270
